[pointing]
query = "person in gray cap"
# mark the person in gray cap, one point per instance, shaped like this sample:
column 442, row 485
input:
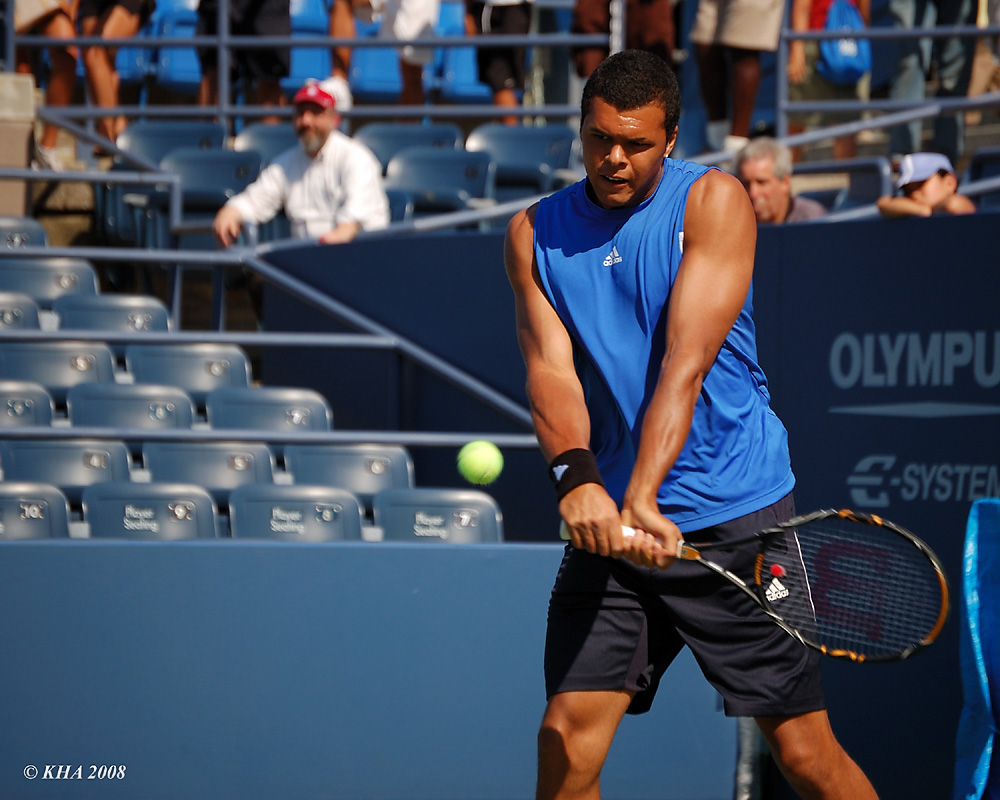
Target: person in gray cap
column 927, row 185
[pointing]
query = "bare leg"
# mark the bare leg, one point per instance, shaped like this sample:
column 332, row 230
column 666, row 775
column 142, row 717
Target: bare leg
column 62, row 77
column 208, row 90
column 573, row 742
column 413, row 84
column 101, row 76
column 269, row 94
column 746, row 82
column 341, row 27
column 507, row 98
column 812, row 760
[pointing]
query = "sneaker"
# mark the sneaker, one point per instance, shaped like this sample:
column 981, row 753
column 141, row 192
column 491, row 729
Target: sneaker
column 47, row 158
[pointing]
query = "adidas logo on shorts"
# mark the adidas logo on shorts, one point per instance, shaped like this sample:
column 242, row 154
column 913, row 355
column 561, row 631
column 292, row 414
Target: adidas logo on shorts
column 776, row 591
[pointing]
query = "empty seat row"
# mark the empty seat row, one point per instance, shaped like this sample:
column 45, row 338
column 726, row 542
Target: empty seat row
column 300, row 513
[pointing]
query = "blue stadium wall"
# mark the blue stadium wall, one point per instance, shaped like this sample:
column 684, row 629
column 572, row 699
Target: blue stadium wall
column 394, row 672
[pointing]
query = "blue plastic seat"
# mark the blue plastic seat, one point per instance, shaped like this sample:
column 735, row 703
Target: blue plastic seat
column 294, row 513
column 149, row 511
column 24, row 403
column 17, row 310
column 438, row 515
column 361, row 469
column 268, row 140
column 18, row 231
column 196, row 368
column 374, row 74
column 31, row 510
column 441, row 179
column 120, row 313
column 386, row 139
column 130, row 405
column 70, row 464
column 177, row 68
column 869, row 178
column 45, row 279
column 528, row 158
column 309, row 18
column 218, row 466
column 268, row 408
column 57, row 365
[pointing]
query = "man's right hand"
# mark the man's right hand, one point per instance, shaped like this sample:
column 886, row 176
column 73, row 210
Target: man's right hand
column 227, row 226
column 592, row 519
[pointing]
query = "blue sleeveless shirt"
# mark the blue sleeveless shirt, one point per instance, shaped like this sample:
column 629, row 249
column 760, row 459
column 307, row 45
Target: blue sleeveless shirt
column 608, row 274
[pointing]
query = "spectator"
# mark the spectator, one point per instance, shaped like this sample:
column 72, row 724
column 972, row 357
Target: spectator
column 264, row 68
column 330, row 187
column 953, row 57
column 341, row 27
column 927, row 185
column 649, row 25
column 806, row 82
column 405, row 20
column 729, row 36
column 764, row 166
column 501, row 68
column 54, row 19
column 109, row 19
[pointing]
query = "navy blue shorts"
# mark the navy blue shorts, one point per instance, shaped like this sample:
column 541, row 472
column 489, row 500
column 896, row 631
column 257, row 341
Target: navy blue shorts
column 615, row 626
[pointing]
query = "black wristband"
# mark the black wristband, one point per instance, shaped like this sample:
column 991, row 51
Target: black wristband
column 573, row 468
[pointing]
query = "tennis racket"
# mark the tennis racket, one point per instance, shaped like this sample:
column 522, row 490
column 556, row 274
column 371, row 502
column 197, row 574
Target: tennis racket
column 852, row 586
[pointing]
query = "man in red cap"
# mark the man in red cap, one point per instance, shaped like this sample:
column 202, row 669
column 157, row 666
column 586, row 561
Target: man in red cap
column 330, row 187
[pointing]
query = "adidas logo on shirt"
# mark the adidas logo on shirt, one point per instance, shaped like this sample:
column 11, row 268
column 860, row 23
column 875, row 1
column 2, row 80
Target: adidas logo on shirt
column 613, row 257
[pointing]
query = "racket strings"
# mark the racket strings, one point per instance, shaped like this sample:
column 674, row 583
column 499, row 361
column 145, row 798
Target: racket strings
column 859, row 588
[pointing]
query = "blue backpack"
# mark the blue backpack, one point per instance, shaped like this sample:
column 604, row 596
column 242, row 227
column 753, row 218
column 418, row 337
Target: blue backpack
column 843, row 61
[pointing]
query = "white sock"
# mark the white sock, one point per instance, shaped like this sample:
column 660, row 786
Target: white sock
column 733, row 144
column 716, row 132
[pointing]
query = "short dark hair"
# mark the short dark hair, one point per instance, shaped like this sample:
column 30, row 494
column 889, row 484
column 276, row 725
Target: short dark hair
column 631, row 79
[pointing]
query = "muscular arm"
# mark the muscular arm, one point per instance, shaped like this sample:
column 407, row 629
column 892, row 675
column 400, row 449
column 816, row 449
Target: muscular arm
column 707, row 297
column 558, row 407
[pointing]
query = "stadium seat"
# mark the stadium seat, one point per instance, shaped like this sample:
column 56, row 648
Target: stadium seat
column 868, row 179
column 32, row 511
column 121, row 313
column 268, row 408
column 45, row 279
column 149, row 511
column 386, row 139
column 984, row 163
column 400, row 205
column 309, row 18
column 528, row 159
column 361, row 469
column 455, row 69
column 177, row 68
column 267, row 140
column 441, row 179
column 24, row 403
column 70, row 464
column 453, row 516
column 294, row 513
column 17, row 311
column 17, row 231
column 196, row 368
column 218, row 466
column 130, row 405
column 57, row 365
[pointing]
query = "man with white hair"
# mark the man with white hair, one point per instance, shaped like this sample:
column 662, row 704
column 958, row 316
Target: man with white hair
column 764, row 166
column 330, row 186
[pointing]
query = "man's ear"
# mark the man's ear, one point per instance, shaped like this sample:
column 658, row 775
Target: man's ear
column 671, row 141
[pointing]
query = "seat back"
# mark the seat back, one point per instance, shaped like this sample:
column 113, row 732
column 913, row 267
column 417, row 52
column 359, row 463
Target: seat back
column 985, row 163
column 441, row 179
column 868, row 178
column 17, row 231
column 149, row 511
column 452, row 516
column 209, row 177
column 218, row 466
column 386, row 139
column 361, row 469
column 153, row 139
column 32, row 511
column 294, row 513
column 177, row 68
column 57, row 365
column 129, row 405
column 196, row 368
column 272, row 408
column 374, row 71
column 527, row 157
column 70, row 464
column 266, row 140
column 112, row 312
column 309, row 19
column 24, row 403
column 45, row 279
column 17, row 310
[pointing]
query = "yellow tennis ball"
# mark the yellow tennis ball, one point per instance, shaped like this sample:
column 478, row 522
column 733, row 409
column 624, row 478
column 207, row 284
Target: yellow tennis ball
column 480, row 462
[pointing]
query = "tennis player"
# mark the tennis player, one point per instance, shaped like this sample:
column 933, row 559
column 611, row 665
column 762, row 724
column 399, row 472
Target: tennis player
column 632, row 292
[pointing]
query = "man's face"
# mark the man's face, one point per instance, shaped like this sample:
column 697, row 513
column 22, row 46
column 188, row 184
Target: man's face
column 769, row 194
column 938, row 187
column 313, row 124
column 623, row 152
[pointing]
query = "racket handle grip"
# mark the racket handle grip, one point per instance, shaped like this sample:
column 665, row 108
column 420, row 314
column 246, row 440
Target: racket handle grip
column 564, row 531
